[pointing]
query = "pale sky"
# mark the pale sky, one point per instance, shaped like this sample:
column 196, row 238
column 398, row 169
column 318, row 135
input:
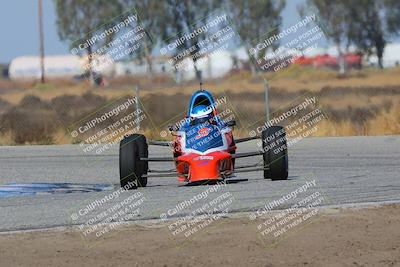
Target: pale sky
column 19, row 28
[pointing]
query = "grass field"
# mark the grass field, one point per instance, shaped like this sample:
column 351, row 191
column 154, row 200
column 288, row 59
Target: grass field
column 365, row 102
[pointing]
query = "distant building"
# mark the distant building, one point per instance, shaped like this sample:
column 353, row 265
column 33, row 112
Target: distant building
column 62, row 66
column 55, row 66
column 211, row 66
column 391, row 56
column 134, row 67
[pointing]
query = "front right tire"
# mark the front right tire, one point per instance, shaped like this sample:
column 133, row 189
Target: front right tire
column 132, row 170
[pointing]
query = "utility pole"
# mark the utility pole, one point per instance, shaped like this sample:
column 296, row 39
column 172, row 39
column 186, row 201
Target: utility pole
column 41, row 40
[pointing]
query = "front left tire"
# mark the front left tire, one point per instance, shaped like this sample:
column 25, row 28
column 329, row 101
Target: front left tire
column 275, row 154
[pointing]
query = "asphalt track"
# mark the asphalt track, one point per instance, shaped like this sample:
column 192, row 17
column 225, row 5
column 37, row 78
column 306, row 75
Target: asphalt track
column 346, row 170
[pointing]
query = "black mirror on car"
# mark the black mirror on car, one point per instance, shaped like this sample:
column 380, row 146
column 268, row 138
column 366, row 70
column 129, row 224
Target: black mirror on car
column 231, row 123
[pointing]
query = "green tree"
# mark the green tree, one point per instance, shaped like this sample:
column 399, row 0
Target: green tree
column 335, row 20
column 376, row 22
column 368, row 24
column 392, row 8
column 368, row 31
column 79, row 19
column 179, row 17
column 150, row 15
column 254, row 19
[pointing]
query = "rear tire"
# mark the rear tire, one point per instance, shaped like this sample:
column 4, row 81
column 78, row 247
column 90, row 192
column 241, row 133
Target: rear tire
column 132, row 170
column 275, row 153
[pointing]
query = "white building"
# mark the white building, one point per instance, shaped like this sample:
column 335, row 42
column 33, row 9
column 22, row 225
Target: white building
column 28, row 67
column 64, row 66
column 391, row 56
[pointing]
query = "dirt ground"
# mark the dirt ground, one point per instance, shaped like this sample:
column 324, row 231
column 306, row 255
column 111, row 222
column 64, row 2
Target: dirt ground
column 333, row 237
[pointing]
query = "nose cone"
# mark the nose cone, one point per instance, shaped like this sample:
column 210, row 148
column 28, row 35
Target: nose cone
column 204, row 167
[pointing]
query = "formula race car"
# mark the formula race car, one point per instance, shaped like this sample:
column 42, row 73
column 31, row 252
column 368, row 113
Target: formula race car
column 203, row 150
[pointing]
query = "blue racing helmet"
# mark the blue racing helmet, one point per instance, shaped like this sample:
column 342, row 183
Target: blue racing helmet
column 201, row 114
column 201, row 111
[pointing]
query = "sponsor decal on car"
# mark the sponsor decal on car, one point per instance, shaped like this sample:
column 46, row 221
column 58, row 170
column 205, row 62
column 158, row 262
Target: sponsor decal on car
column 203, row 158
column 203, row 132
column 202, row 163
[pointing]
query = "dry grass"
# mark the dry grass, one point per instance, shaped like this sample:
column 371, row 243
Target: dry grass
column 292, row 79
column 6, row 138
column 327, row 128
column 364, row 103
column 386, row 122
column 296, row 78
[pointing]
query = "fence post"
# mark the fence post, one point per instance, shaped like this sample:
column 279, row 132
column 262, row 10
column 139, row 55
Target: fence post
column 137, row 105
column 266, row 88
